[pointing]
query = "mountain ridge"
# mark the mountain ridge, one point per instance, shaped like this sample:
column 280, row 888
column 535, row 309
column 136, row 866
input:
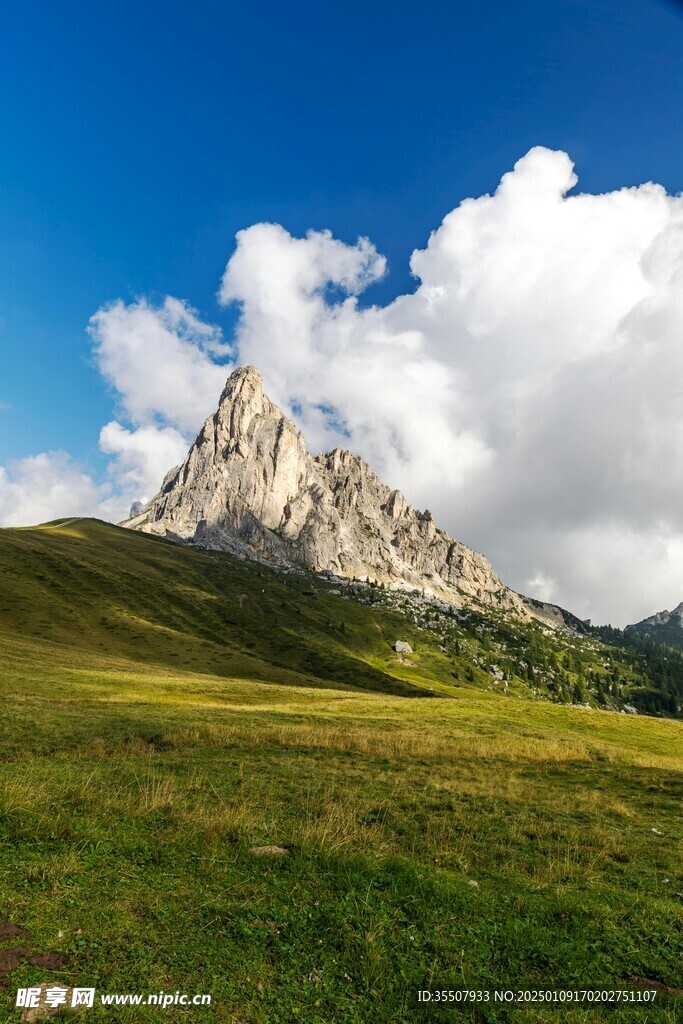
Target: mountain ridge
column 666, row 627
column 249, row 486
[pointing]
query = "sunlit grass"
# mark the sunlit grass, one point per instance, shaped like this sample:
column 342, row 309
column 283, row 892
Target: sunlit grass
column 472, row 841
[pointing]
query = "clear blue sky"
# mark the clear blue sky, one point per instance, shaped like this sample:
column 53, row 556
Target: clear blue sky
column 137, row 138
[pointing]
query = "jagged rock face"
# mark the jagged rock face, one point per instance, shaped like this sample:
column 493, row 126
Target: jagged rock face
column 665, row 617
column 249, row 485
column 665, row 627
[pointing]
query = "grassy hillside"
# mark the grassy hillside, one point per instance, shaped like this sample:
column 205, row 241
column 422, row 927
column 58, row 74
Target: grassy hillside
column 84, row 589
column 91, row 588
column 165, row 711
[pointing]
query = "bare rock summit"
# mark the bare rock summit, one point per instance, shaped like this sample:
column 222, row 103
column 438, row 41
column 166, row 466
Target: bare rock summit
column 250, row 486
column 665, row 627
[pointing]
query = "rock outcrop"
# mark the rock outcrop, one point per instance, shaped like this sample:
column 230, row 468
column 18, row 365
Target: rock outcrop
column 665, row 627
column 249, row 486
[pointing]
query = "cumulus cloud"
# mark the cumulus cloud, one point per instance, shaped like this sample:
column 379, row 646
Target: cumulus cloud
column 167, row 368
column 527, row 390
column 351, row 375
column 161, row 361
column 44, row 487
column 141, row 459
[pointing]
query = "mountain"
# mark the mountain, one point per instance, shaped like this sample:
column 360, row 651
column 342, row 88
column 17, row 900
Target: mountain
column 665, row 627
column 249, row 486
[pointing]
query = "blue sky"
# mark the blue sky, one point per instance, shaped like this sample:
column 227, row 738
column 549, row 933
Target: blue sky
column 137, row 139
column 496, row 386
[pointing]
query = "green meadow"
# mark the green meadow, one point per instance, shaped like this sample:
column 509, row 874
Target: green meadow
column 168, row 711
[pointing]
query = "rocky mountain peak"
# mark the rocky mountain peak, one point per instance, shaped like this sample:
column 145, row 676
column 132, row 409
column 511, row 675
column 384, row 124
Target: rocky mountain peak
column 244, row 384
column 250, row 486
column 666, row 626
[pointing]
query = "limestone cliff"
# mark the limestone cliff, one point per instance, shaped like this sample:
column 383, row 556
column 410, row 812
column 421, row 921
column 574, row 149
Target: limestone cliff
column 249, row 485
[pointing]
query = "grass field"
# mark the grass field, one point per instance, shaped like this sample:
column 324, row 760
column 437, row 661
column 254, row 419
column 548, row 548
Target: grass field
column 165, row 711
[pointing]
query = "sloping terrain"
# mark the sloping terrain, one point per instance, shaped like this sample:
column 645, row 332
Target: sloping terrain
column 88, row 588
column 165, row 712
column 85, row 590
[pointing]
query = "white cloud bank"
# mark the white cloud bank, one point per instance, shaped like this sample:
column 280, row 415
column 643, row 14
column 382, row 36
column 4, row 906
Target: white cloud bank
column 529, row 391
column 161, row 362
column 44, row 487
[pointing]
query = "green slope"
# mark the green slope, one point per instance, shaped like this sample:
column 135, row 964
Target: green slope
column 163, row 711
column 83, row 590
column 94, row 590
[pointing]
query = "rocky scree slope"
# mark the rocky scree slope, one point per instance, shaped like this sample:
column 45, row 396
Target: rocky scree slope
column 249, row 486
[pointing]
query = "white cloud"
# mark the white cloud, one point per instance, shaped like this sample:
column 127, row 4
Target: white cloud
column 162, row 364
column 352, row 375
column 160, row 360
column 529, row 390
column 44, row 487
column 141, row 459
column 542, row 587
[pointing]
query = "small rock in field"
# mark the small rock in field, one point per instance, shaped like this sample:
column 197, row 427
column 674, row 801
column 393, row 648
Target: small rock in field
column 473, row 883
column 403, row 647
column 269, row 851
column 45, row 1010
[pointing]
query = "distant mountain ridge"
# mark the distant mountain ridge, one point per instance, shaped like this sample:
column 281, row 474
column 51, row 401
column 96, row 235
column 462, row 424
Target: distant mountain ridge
column 664, row 627
column 249, row 486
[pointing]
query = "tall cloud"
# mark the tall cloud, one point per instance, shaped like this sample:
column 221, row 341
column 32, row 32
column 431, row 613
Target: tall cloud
column 527, row 390
column 350, row 376
column 161, row 362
